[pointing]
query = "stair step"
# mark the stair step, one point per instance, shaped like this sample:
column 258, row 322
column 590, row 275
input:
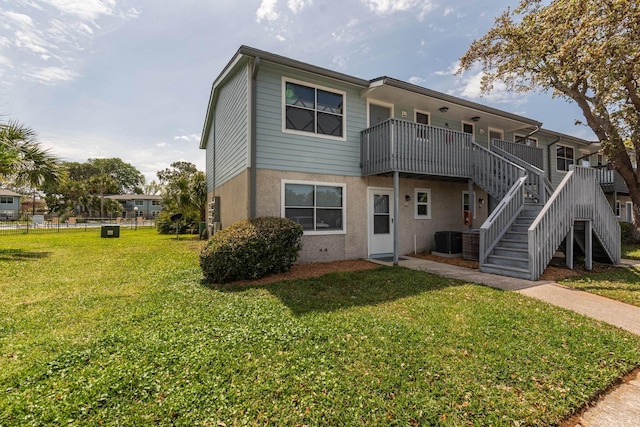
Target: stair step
column 522, row 236
column 508, row 261
column 512, row 243
column 521, row 253
column 503, row 270
column 519, row 228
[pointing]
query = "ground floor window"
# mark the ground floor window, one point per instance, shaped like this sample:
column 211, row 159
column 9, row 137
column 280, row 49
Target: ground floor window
column 618, row 208
column 318, row 207
column 422, row 197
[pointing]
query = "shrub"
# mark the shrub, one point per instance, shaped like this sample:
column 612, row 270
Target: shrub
column 251, row 249
column 626, row 232
column 187, row 224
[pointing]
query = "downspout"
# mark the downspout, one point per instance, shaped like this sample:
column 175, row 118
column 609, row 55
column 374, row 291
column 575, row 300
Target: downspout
column 253, row 179
column 549, row 157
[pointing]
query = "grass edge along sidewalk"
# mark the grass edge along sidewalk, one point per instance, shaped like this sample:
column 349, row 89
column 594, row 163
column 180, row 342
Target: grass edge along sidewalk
column 123, row 331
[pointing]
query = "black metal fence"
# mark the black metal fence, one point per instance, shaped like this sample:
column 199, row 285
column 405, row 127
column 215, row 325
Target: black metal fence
column 40, row 224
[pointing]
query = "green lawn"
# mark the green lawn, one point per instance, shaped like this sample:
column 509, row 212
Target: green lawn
column 621, row 284
column 123, row 332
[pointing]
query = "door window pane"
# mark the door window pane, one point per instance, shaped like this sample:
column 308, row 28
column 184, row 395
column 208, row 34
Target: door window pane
column 381, row 224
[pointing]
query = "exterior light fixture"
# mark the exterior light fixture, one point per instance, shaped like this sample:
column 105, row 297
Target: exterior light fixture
column 443, row 109
column 475, row 118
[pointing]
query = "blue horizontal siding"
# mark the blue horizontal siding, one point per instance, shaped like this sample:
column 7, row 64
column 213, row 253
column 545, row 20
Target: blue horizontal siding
column 279, row 150
column 230, row 128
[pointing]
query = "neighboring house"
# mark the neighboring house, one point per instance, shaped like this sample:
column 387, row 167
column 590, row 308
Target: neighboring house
column 147, row 206
column 374, row 168
column 9, row 205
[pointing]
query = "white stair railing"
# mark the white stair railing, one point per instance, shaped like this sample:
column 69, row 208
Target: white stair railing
column 578, row 197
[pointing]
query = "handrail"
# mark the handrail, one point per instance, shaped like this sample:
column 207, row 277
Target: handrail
column 529, row 154
column 495, row 174
column 403, row 146
column 578, row 197
column 537, row 184
column 501, row 219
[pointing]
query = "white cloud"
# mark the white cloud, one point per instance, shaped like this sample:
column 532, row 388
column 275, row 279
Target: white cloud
column 469, row 86
column 50, row 35
column 20, row 19
column 267, row 10
column 297, row 5
column 386, row 7
column 53, row 74
column 417, row 80
column 88, row 10
column 189, row 138
column 453, row 68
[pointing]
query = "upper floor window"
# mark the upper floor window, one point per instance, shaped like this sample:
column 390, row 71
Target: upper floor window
column 564, row 157
column 467, row 127
column 155, row 203
column 6, row 200
column 138, row 202
column 313, row 109
column 318, row 207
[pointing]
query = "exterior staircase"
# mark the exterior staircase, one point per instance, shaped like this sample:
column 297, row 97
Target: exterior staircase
column 510, row 255
column 532, row 222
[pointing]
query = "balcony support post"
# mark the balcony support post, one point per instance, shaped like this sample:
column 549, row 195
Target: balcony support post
column 396, row 215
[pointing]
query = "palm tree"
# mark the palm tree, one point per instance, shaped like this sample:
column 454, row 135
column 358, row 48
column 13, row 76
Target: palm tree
column 23, row 161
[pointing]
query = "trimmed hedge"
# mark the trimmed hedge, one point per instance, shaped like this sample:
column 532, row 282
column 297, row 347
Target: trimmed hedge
column 251, row 249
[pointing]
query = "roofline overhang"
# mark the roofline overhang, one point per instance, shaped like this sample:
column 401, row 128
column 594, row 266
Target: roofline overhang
column 246, row 54
column 564, row 136
column 388, row 81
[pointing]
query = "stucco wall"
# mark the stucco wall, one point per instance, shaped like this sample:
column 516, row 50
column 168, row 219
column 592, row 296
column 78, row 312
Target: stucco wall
column 234, row 199
column 446, row 213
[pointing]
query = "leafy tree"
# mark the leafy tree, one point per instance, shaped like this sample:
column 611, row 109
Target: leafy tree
column 184, row 190
column 129, row 179
column 585, row 51
column 102, row 184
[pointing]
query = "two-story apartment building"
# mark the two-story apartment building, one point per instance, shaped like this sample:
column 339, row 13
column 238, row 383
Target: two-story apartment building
column 147, row 206
column 374, row 168
column 9, row 205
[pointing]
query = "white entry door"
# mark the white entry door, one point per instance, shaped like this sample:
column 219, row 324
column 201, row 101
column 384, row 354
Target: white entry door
column 381, row 217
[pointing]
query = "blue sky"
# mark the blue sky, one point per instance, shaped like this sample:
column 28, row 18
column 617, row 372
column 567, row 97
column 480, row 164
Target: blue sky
column 131, row 78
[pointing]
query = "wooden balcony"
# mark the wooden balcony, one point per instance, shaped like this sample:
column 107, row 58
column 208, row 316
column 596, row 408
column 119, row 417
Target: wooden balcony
column 528, row 153
column 407, row 147
column 610, row 180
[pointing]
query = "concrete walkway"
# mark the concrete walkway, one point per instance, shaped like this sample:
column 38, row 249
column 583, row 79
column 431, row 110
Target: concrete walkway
column 621, row 407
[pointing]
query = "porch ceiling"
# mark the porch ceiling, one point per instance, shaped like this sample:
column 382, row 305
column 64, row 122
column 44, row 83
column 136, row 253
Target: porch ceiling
column 458, row 109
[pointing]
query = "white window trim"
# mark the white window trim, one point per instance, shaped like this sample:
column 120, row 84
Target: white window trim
column 342, row 185
column 381, row 104
column 500, row 131
column 618, row 209
column 556, row 159
column 415, row 116
column 473, row 127
column 283, row 101
column 475, row 204
column 415, row 205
